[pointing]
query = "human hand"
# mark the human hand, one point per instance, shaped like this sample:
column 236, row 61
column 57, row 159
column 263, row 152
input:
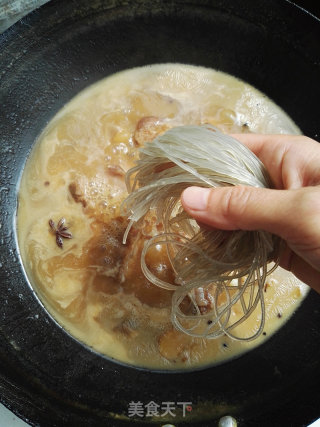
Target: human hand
column 291, row 210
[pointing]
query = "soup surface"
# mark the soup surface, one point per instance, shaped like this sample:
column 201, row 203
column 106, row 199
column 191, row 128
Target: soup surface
column 92, row 283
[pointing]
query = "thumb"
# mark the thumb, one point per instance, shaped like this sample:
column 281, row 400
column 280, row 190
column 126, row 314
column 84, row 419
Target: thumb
column 248, row 208
column 291, row 214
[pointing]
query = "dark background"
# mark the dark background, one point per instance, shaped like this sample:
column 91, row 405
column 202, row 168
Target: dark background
column 312, row 6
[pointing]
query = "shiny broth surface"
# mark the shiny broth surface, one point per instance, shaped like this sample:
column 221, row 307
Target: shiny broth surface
column 89, row 281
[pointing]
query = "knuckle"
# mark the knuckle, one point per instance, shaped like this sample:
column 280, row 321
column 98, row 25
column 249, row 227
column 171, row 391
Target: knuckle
column 306, row 208
column 235, row 201
column 308, row 201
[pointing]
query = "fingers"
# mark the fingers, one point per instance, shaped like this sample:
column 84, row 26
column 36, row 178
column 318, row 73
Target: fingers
column 239, row 207
column 300, row 268
column 291, row 160
column 256, row 142
column 271, row 150
column 260, row 144
column 291, row 214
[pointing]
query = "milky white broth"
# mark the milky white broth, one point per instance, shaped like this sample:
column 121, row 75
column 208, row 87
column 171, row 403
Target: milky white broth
column 93, row 285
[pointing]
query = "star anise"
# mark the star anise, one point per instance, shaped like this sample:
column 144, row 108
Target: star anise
column 60, row 231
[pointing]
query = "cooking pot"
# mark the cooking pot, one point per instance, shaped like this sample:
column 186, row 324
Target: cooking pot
column 46, row 376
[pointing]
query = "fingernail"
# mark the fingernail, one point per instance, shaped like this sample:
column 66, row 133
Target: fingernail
column 196, row 198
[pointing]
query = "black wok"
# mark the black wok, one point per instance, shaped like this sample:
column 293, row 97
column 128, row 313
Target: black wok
column 46, row 376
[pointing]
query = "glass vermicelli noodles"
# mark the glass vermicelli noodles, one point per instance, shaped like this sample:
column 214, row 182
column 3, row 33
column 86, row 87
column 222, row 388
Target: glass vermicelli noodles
column 228, row 267
column 74, row 255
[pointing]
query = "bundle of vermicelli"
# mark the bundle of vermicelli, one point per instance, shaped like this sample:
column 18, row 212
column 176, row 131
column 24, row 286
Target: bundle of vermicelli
column 220, row 273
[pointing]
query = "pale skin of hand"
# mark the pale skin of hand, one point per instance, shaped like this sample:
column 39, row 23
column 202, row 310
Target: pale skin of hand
column 291, row 210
